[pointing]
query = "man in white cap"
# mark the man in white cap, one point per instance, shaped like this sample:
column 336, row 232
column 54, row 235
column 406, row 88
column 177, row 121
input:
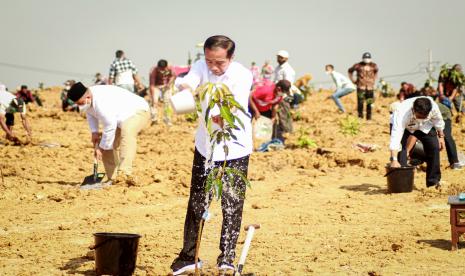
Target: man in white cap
column 284, row 70
column 9, row 105
column 123, row 115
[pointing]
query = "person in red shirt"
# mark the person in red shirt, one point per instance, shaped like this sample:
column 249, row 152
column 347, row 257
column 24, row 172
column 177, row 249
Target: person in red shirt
column 161, row 80
column 263, row 100
column 268, row 100
column 25, row 95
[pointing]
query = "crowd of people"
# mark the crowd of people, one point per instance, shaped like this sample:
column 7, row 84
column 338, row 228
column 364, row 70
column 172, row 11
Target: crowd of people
column 423, row 115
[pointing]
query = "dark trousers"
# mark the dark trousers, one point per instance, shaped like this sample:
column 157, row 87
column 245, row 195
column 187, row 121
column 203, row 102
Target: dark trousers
column 363, row 96
column 450, row 143
column 231, row 205
column 431, row 147
column 10, row 119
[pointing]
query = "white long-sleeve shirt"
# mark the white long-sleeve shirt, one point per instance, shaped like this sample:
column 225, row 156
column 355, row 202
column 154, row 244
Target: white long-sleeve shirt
column 111, row 106
column 239, row 80
column 284, row 72
column 404, row 119
column 341, row 81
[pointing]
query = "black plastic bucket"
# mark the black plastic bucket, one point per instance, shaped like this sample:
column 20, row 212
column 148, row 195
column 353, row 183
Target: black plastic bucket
column 115, row 253
column 400, row 180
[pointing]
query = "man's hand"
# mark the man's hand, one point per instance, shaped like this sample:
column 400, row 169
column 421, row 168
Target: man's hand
column 95, row 138
column 11, row 137
column 218, row 120
column 98, row 153
column 256, row 115
column 442, row 143
column 395, row 164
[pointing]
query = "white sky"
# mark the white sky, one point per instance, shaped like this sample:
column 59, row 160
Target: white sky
column 82, row 36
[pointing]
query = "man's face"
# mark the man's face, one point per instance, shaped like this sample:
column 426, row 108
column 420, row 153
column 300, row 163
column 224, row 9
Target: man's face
column 217, row 60
column 281, row 59
column 328, row 69
column 404, row 87
column 418, row 116
column 458, row 68
column 87, row 98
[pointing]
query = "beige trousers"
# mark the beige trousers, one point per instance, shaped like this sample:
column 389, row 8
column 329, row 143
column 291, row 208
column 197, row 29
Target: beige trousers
column 120, row 158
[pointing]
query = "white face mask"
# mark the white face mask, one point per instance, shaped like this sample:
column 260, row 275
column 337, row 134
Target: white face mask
column 84, row 107
column 367, row 60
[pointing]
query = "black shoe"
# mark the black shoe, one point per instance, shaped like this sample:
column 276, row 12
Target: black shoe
column 179, row 266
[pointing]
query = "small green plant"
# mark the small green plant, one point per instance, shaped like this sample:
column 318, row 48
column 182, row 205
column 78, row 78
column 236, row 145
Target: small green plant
column 191, row 117
column 297, row 116
column 304, row 141
column 349, row 125
column 221, row 97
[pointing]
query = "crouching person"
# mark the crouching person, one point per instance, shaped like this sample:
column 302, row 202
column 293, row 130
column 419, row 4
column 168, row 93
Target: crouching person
column 9, row 105
column 123, row 115
column 420, row 117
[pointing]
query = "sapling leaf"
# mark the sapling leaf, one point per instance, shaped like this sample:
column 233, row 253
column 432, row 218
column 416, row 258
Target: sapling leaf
column 227, row 115
column 220, row 189
column 240, row 122
column 237, row 143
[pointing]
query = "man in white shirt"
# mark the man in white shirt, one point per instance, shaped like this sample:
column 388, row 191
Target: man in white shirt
column 343, row 86
column 218, row 67
column 123, row 115
column 421, row 117
column 284, row 70
column 9, row 105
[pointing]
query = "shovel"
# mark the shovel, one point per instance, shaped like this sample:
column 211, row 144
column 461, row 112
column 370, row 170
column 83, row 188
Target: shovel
column 93, row 181
column 248, row 240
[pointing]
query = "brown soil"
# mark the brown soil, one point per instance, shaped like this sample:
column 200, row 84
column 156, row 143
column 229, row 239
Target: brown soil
column 322, row 211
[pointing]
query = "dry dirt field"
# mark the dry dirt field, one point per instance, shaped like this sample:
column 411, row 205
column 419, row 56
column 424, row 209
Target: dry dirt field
column 323, row 210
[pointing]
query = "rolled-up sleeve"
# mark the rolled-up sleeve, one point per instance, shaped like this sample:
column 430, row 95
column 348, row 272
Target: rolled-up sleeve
column 398, row 129
column 192, row 79
column 436, row 118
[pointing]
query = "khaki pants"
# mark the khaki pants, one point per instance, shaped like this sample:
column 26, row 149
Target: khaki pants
column 125, row 145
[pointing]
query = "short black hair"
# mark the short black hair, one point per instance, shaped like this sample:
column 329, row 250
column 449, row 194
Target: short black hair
column 402, row 83
column 422, row 106
column 285, row 85
column 23, row 86
column 162, row 63
column 119, row 53
column 220, row 41
column 330, row 66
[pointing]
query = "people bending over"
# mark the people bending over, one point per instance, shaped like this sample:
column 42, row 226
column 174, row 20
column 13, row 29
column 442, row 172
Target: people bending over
column 343, row 86
column 9, row 105
column 161, row 83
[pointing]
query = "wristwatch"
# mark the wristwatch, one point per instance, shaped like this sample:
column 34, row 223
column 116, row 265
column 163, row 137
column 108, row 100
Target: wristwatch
column 392, row 158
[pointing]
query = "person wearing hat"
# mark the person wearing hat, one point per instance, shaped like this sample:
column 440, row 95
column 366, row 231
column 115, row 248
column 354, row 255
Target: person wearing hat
column 367, row 73
column 284, row 70
column 9, row 105
column 123, row 115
